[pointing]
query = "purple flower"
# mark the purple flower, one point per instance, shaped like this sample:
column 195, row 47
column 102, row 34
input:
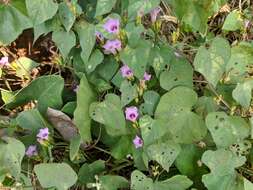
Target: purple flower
column 43, row 135
column 154, row 14
column 132, row 113
column 4, row 61
column 31, row 151
column 112, row 26
column 138, row 142
column 146, row 76
column 112, row 46
column 99, row 36
column 126, row 72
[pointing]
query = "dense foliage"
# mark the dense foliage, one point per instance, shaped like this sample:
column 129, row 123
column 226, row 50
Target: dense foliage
column 138, row 94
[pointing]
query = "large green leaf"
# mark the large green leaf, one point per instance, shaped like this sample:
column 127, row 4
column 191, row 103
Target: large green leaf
column 233, row 21
column 104, row 6
column 64, row 41
column 87, row 171
column 137, row 58
column 12, row 152
column 113, row 182
column 174, row 102
column 242, row 93
column 164, row 153
column 180, row 73
column 222, row 164
column 66, row 15
column 61, row 176
column 140, row 182
column 85, row 96
column 128, row 92
column 13, row 22
column 226, row 130
column 110, row 114
column 212, row 63
column 87, row 38
column 151, row 99
column 95, row 59
column 41, row 10
column 47, row 90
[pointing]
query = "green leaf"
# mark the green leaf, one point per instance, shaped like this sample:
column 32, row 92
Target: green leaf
column 110, row 114
column 85, row 96
column 139, row 5
column 233, row 21
column 61, row 176
column 121, row 149
column 205, row 105
column 66, row 15
column 64, row 41
column 74, row 146
column 137, row 58
column 87, row 38
column 134, row 32
column 222, row 164
column 239, row 63
column 12, row 152
column 112, row 182
column 46, row 90
column 87, row 172
column 164, row 153
column 152, row 130
column 140, row 182
column 13, row 22
column 24, row 66
column 226, row 130
column 212, row 63
column 104, row 6
column 151, row 99
column 69, row 108
column 128, row 92
column 95, row 59
column 242, row 93
column 187, row 127
column 41, row 10
column 180, row 73
column 174, row 102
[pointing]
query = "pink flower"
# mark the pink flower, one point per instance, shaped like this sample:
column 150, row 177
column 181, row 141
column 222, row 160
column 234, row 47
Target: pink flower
column 146, row 76
column 154, row 13
column 112, row 26
column 131, row 113
column 43, row 135
column 4, row 61
column 138, row 142
column 112, row 46
column 126, row 72
column 31, row 151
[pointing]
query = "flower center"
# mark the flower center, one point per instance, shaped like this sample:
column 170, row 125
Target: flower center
column 132, row 115
column 129, row 72
column 114, row 27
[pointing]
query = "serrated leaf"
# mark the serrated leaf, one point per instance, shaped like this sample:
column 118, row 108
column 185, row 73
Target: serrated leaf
column 164, row 153
column 12, row 152
column 212, row 63
column 110, row 114
column 55, row 173
column 128, row 92
column 82, row 120
column 180, row 73
column 41, row 10
column 137, row 58
column 64, row 41
column 226, row 130
column 233, row 21
column 104, row 6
